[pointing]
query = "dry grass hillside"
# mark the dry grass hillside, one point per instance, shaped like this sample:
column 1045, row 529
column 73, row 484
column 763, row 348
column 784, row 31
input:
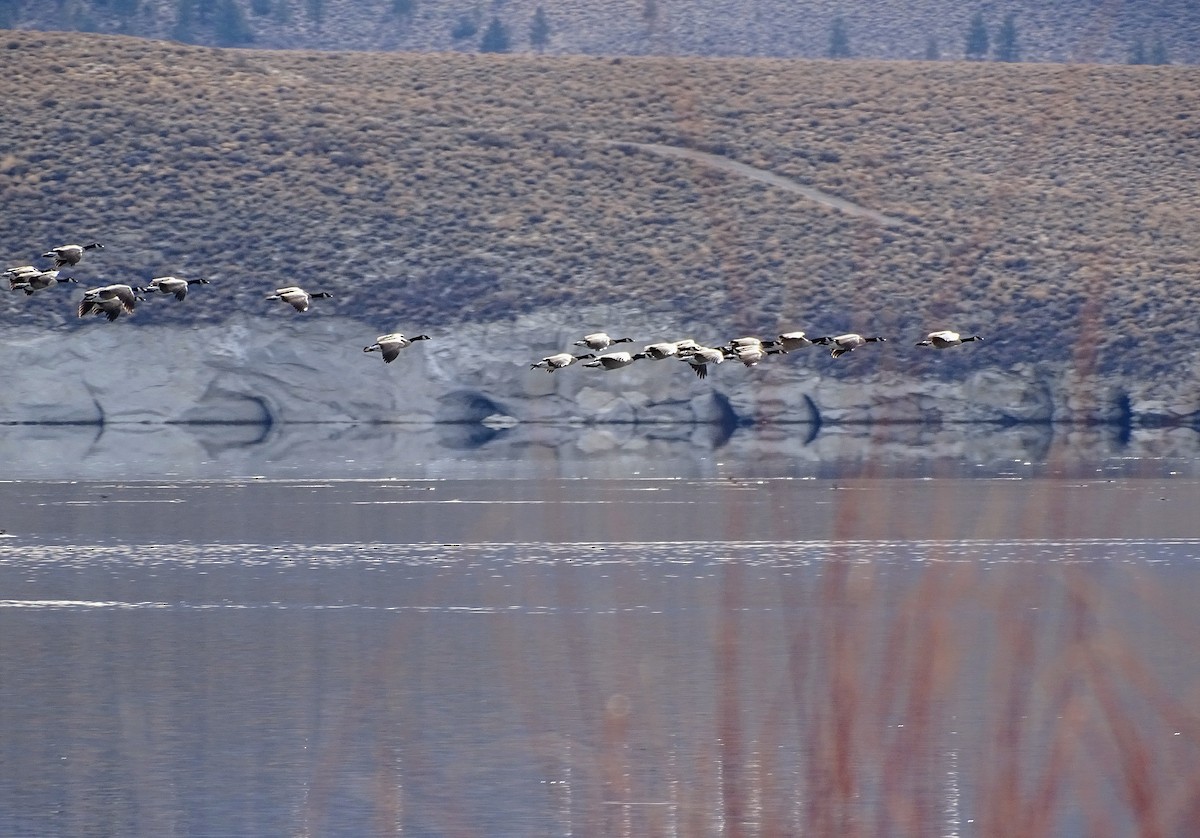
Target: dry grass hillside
column 1053, row 208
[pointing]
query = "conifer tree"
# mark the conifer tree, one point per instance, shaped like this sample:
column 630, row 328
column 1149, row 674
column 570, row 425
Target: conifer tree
column 316, row 11
column 977, row 38
column 539, row 30
column 839, row 39
column 185, row 16
column 230, row 28
column 495, row 37
column 1137, row 53
column 1158, row 52
column 10, row 13
column 1006, row 40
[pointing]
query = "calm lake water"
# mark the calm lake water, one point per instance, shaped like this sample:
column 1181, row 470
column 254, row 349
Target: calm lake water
column 699, row 642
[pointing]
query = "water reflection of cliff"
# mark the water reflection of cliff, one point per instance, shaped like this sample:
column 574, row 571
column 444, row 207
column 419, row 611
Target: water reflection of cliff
column 117, row 451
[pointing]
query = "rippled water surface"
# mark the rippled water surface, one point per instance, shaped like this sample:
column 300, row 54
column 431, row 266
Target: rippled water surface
column 847, row 655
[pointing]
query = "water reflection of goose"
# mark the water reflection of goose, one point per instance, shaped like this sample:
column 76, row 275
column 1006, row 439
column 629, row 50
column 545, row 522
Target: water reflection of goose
column 945, row 339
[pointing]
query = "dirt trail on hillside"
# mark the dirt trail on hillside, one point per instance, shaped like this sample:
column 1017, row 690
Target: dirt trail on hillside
column 769, row 178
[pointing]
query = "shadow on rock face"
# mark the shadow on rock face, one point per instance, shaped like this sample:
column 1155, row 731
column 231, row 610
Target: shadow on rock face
column 466, row 419
column 468, row 406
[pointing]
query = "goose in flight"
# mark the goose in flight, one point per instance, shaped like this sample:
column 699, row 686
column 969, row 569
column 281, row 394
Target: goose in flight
column 741, row 343
column 659, row 351
column 700, row 358
column 109, row 306
column 944, row 339
column 110, row 301
column 36, row 281
column 390, row 345
column 615, row 360
column 69, row 254
column 750, row 354
column 599, row 340
column 125, row 296
column 790, row 340
column 560, row 361
column 297, row 297
column 172, row 285
column 847, row 343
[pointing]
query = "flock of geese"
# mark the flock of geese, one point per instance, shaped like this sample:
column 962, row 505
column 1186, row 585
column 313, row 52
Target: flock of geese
column 749, row 350
column 114, row 300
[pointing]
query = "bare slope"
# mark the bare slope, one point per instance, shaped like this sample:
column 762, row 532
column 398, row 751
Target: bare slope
column 1052, row 207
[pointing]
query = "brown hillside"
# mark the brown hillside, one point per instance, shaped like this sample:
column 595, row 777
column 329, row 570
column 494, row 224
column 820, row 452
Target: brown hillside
column 1043, row 202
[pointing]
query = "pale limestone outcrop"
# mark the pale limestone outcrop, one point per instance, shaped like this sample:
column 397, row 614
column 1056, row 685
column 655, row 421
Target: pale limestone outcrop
column 287, row 368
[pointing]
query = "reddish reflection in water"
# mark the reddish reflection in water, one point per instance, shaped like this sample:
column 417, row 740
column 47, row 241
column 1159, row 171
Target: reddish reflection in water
column 854, row 657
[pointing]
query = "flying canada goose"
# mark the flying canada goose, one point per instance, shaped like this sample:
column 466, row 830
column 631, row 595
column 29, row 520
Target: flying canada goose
column 701, row 357
column 945, row 339
column 297, row 297
column 847, row 343
column 659, row 351
column 557, row 362
column 750, row 355
column 738, row 343
column 70, row 254
column 791, row 340
column 172, row 285
column 599, row 340
column 391, row 344
column 108, row 306
column 125, row 295
column 615, row 360
column 37, row 281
